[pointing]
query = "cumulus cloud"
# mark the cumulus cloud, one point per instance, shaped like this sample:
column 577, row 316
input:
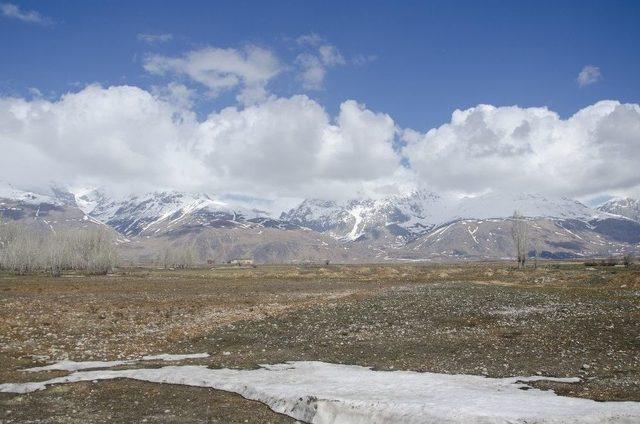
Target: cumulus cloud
column 589, row 75
column 155, row 38
column 248, row 69
column 119, row 135
column 317, row 58
column 14, row 11
column 127, row 137
column 137, row 140
column 531, row 149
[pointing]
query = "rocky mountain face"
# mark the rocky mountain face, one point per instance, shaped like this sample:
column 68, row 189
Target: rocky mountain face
column 420, row 212
column 395, row 216
column 418, row 226
column 162, row 212
column 629, row 208
column 218, row 230
column 48, row 212
column 426, row 226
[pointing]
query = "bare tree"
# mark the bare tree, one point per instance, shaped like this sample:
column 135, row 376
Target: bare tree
column 20, row 251
column 186, row 257
column 537, row 254
column 24, row 249
column 519, row 232
column 180, row 257
column 165, row 258
column 102, row 256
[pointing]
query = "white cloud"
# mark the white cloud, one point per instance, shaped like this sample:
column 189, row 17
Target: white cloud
column 120, row 135
column 10, row 10
column 362, row 60
column 248, row 69
column 289, row 146
column 589, row 75
column 315, row 60
column 132, row 139
column 155, row 38
column 312, row 71
column 177, row 94
column 128, row 138
column 531, row 150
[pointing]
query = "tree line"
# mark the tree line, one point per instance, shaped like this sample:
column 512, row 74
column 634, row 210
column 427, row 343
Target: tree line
column 24, row 250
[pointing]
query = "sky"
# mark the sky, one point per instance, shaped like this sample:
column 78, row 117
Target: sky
column 321, row 98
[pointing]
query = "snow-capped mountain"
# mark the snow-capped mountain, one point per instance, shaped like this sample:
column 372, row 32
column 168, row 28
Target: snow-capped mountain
column 48, row 209
column 400, row 215
column 419, row 212
column 9, row 192
column 161, row 211
column 423, row 225
column 627, row 207
column 419, row 225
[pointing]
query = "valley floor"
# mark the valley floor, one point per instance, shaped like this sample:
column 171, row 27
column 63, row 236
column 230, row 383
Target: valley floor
column 563, row 320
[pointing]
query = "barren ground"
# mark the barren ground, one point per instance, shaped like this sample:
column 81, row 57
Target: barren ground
column 560, row 320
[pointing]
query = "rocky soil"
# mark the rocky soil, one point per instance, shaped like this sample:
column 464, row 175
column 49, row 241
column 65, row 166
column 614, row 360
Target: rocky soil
column 560, row 320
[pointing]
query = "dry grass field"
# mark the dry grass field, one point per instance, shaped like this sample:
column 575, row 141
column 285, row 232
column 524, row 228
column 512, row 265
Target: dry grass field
column 489, row 319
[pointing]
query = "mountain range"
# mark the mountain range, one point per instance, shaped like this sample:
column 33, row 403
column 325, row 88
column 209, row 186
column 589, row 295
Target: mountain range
column 417, row 226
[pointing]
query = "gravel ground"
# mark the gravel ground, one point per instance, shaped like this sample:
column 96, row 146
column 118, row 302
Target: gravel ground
column 559, row 320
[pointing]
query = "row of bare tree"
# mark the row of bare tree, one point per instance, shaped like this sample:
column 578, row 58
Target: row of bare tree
column 24, row 250
column 178, row 258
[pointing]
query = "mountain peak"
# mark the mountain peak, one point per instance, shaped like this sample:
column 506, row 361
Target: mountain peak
column 623, row 206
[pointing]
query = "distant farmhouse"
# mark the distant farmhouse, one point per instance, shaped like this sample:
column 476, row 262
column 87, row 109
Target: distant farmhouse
column 240, row 262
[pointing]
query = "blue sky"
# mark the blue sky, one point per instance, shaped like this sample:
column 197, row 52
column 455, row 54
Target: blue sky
column 430, row 57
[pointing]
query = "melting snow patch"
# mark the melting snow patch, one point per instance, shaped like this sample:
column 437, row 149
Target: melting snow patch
column 318, row 392
column 171, row 357
column 75, row 366
column 85, row 365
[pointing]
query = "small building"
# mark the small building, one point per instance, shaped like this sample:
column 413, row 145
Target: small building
column 241, row 261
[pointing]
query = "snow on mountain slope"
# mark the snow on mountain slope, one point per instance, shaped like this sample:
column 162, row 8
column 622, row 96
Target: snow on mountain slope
column 7, row 191
column 47, row 212
column 421, row 211
column 400, row 215
column 161, row 211
column 496, row 205
column 627, row 207
column 415, row 226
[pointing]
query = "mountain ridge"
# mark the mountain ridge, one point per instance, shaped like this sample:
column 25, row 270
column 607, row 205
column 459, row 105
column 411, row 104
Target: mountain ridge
column 420, row 225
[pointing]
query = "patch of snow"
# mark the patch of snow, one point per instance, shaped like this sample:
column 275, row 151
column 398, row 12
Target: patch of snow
column 318, row 392
column 75, row 366
column 472, row 234
column 356, row 213
column 173, row 357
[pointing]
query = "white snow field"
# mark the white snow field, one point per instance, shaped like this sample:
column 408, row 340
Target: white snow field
column 318, row 392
